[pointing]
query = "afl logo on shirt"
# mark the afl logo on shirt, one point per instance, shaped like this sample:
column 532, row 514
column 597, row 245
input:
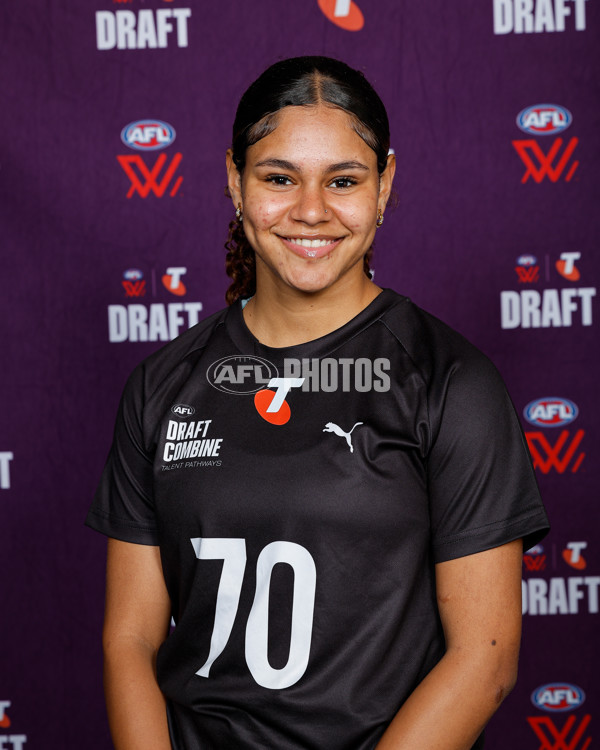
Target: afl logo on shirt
column 183, row 410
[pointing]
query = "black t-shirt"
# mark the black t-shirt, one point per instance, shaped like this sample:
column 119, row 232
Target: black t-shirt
column 301, row 498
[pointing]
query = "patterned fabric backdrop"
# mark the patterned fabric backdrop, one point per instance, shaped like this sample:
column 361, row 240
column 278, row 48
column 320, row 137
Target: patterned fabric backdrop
column 116, row 117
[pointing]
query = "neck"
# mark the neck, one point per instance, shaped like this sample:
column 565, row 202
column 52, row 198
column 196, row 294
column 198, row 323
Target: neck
column 288, row 317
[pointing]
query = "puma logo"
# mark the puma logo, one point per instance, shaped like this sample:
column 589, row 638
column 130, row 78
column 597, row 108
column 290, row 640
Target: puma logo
column 331, row 427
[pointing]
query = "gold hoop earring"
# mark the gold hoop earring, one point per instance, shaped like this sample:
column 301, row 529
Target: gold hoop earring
column 379, row 221
column 238, row 212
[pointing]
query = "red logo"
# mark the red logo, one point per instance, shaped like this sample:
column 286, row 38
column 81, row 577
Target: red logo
column 528, row 274
column 549, row 165
column 172, row 280
column 343, row 13
column 263, row 400
column 146, row 180
column 546, row 456
column 134, row 288
column 566, row 266
column 553, row 738
column 4, row 720
column 534, row 562
column 271, row 405
column 573, row 557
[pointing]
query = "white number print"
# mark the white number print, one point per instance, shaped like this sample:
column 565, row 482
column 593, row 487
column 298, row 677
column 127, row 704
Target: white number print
column 233, row 554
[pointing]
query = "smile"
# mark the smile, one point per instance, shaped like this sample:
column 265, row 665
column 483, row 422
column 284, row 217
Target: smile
column 307, row 247
column 310, row 243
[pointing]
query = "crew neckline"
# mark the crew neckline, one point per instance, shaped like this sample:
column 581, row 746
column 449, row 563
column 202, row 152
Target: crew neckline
column 246, row 343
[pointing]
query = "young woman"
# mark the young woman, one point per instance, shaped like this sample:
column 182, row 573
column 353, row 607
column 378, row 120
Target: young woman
column 324, row 486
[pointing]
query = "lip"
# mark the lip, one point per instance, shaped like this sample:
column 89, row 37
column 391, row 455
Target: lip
column 311, row 253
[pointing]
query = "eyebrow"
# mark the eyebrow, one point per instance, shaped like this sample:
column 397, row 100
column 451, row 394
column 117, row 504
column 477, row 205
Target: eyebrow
column 284, row 164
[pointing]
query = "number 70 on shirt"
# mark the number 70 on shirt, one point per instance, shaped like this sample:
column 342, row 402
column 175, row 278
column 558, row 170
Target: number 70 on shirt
column 233, row 554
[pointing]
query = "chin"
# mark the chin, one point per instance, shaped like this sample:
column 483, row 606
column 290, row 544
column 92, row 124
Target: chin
column 311, row 283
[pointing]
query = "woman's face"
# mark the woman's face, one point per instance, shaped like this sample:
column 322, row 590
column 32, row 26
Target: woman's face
column 310, row 194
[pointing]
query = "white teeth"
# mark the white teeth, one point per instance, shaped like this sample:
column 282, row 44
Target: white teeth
column 310, row 243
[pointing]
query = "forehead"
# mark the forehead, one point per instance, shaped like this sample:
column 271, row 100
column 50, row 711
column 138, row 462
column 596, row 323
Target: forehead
column 319, row 132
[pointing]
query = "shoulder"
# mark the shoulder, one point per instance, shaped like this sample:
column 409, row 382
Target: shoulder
column 436, row 350
column 465, row 394
column 174, row 360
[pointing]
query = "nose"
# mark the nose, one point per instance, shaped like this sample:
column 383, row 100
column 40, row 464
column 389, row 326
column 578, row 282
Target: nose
column 310, row 206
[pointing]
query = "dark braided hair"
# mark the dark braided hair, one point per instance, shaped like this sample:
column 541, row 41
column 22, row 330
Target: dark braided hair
column 298, row 82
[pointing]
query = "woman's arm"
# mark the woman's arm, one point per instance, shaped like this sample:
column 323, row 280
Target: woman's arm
column 136, row 622
column 479, row 600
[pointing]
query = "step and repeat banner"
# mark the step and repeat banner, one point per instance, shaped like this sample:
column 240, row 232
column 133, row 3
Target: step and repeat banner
column 116, row 115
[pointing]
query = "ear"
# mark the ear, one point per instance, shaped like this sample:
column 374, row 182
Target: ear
column 385, row 181
column 234, row 179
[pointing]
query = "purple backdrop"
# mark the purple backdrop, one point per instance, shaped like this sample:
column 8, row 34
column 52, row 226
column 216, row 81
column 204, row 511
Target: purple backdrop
column 112, row 241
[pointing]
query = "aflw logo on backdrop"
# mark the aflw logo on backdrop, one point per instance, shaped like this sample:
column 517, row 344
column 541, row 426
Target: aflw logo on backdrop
column 134, row 283
column 527, row 269
column 542, row 120
column 150, row 135
column 564, row 453
column 343, row 13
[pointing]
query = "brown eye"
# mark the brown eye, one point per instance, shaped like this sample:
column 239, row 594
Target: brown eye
column 279, row 179
column 343, row 182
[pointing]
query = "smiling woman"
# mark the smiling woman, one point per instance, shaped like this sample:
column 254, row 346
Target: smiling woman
column 325, row 487
column 310, row 173
column 310, row 195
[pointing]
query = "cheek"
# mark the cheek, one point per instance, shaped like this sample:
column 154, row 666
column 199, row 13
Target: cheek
column 360, row 218
column 359, row 214
column 263, row 213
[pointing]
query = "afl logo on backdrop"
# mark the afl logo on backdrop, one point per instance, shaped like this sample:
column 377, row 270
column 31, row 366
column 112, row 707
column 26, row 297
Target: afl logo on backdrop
column 526, row 260
column 148, row 135
column 133, row 274
column 544, row 119
column 558, row 696
column 552, row 411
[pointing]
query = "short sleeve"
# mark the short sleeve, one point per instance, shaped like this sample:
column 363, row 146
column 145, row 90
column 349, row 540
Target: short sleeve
column 482, row 488
column 123, row 506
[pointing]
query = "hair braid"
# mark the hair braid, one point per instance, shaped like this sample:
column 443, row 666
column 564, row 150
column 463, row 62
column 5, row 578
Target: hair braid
column 240, row 264
column 367, row 261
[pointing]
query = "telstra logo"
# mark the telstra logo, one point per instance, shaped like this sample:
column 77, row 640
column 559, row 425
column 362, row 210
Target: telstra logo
column 343, row 13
